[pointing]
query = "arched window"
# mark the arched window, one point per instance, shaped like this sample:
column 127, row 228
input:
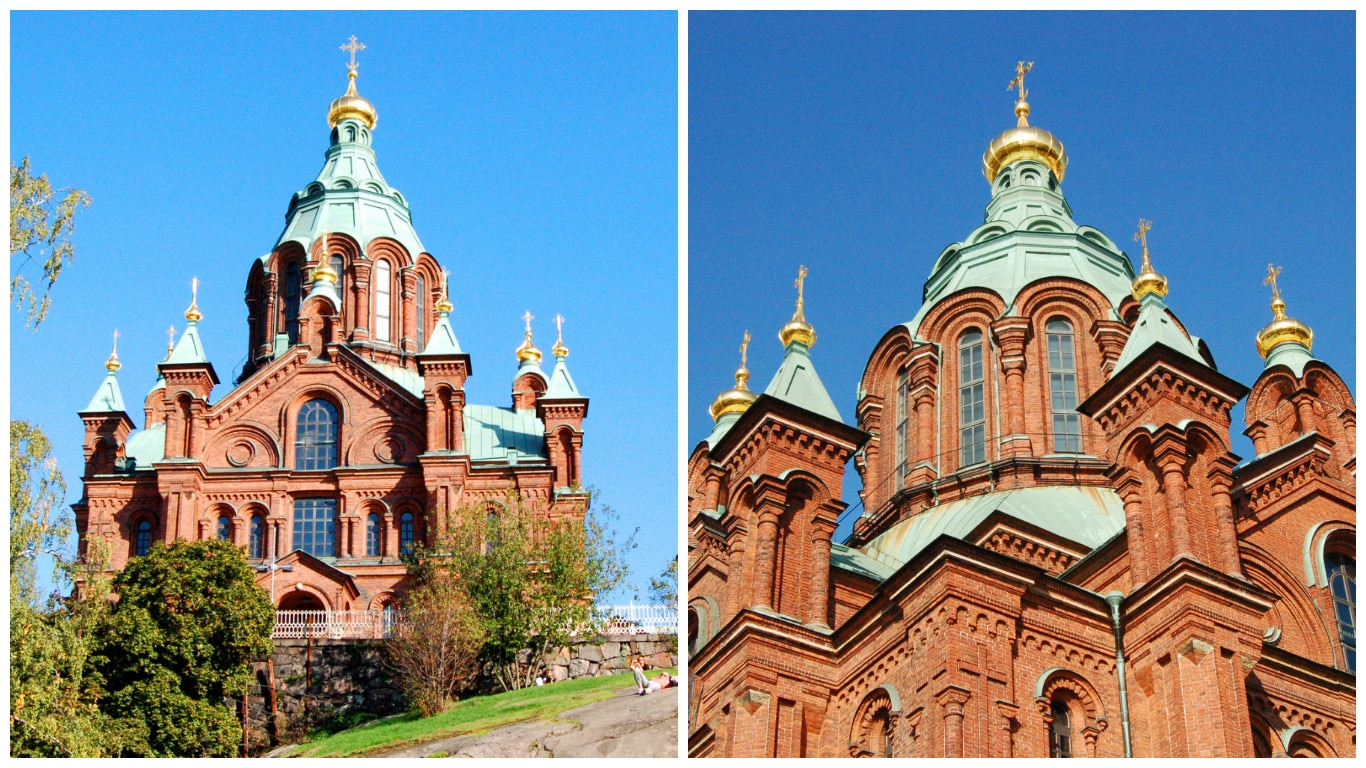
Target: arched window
column 315, row 445
column 972, row 413
column 902, row 433
column 1342, row 582
column 382, row 294
column 372, row 535
column 1060, row 731
column 293, row 289
column 421, row 313
column 1062, row 384
column 224, row 528
column 257, row 544
column 142, row 540
column 336, row 264
column 315, row 526
column 405, row 533
column 492, row 535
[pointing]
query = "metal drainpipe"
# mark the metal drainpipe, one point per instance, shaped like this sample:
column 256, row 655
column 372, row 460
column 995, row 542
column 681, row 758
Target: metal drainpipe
column 1114, row 599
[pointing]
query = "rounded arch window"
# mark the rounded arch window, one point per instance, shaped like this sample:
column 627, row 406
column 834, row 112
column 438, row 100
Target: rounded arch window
column 224, row 528
column 293, row 296
column 405, row 533
column 1342, row 584
column 372, row 535
column 338, row 268
column 142, row 538
column 315, row 443
column 421, row 313
column 257, row 542
column 972, row 414
column 383, row 297
column 1062, row 386
column 1059, row 730
column 902, row 426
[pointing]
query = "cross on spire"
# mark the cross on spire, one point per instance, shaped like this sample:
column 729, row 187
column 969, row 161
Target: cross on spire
column 744, row 351
column 801, row 302
column 116, row 341
column 559, row 327
column 1272, row 272
column 170, row 340
column 528, row 317
column 353, row 46
column 1142, row 236
column 445, row 282
column 1021, row 70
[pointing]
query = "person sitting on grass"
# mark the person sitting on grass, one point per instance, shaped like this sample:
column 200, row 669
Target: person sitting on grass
column 638, row 669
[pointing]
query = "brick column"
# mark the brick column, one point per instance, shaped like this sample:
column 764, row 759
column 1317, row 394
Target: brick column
column 925, row 444
column 1221, row 480
column 765, row 560
column 272, row 304
column 361, row 327
column 819, row 604
column 1304, row 408
column 952, row 700
column 344, row 533
column 239, row 529
column 390, row 525
column 1011, row 334
column 711, row 490
column 205, row 529
column 1140, row 553
column 1258, row 434
column 1171, row 460
column 408, row 292
column 735, row 580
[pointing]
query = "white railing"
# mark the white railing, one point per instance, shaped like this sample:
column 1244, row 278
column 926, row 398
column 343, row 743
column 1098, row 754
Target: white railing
column 636, row 619
column 335, row 625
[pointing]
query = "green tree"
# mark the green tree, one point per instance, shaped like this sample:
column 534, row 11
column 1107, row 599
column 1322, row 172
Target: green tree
column 530, row 580
column 38, row 523
column 39, row 237
column 176, row 648
column 664, row 587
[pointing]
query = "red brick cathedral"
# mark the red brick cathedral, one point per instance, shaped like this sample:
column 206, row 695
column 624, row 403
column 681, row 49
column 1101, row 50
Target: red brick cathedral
column 1059, row 554
column 347, row 435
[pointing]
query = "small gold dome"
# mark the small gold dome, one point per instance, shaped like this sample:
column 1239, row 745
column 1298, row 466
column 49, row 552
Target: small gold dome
column 738, row 399
column 352, row 106
column 797, row 329
column 323, row 272
column 1283, row 329
column 113, row 364
column 444, row 306
column 1148, row 279
column 1024, row 142
column 559, row 350
column 528, row 351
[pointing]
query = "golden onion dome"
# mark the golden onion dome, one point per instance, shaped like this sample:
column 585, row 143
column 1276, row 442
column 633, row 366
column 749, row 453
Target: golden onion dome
column 738, row 399
column 323, row 272
column 1282, row 328
column 797, row 329
column 528, row 351
column 1148, row 279
column 113, row 364
column 352, row 106
column 1024, row 142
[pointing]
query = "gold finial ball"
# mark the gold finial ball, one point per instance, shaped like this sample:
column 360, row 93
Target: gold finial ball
column 798, row 330
column 1283, row 329
column 113, row 364
column 559, row 350
column 352, row 106
column 1022, row 108
column 193, row 314
column 444, row 306
column 1148, row 282
column 528, row 351
column 324, row 272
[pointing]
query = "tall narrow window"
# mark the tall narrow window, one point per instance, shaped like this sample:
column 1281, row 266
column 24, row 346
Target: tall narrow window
column 972, row 413
column 405, row 533
column 1062, row 384
column 382, row 292
column 421, row 313
column 315, row 526
column 1342, row 582
column 293, row 289
column 1060, row 732
column 257, row 544
column 492, row 534
column 336, row 264
column 372, row 535
column 902, row 392
column 224, row 528
column 315, row 446
column 142, row 541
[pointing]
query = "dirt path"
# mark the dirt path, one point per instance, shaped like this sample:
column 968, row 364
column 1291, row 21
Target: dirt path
column 625, row 725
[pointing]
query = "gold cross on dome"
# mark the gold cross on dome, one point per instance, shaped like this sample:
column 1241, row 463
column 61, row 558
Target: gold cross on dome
column 170, row 339
column 116, row 341
column 445, row 282
column 1142, row 234
column 528, row 317
column 1021, row 70
column 194, row 290
column 353, row 46
column 1272, row 272
column 559, row 326
column 744, row 350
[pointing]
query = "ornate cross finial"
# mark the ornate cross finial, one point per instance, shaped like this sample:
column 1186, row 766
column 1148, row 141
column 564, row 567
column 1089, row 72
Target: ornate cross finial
column 194, row 290
column 193, row 314
column 744, row 351
column 528, row 317
column 112, row 364
column 1272, row 272
column 1021, row 70
column 445, row 282
column 353, row 46
column 116, row 341
column 170, row 340
column 801, row 302
column 559, row 326
column 1142, row 236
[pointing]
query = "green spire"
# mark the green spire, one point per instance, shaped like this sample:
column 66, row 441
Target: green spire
column 797, row 383
column 1153, row 327
column 108, row 398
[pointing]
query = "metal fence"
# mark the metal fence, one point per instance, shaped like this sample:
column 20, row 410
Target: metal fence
column 382, row 624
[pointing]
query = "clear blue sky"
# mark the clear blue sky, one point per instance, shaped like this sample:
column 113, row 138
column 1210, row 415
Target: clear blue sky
column 538, row 152
column 852, row 143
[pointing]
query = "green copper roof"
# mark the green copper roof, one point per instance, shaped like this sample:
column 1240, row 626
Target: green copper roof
column 404, row 377
column 189, row 349
column 160, row 383
column 1154, row 326
column 326, row 290
column 108, row 398
column 1088, row 516
column 147, row 446
column 529, row 365
column 561, row 383
column 443, row 341
column 1292, row 355
column 723, row 426
column 855, row 561
column 491, row 432
column 351, row 197
column 797, row 383
column 1028, row 234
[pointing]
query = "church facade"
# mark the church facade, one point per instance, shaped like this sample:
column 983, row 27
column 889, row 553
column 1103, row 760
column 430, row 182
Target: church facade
column 1059, row 553
column 347, row 436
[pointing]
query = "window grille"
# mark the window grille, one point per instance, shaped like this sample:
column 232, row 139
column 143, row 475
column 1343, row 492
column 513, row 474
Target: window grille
column 972, row 418
column 315, row 446
column 1062, row 385
column 315, row 526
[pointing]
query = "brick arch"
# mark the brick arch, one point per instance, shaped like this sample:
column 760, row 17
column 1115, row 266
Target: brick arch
column 290, row 595
column 1304, row 742
column 1272, row 388
column 1060, row 679
column 1303, row 630
column 947, row 314
column 263, row 448
column 391, row 250
column 880, row 705
column 1330, row 388
column 383, row 600
column 289, row 419
column 889, row 356
column 401, row 441
column 1042, row 302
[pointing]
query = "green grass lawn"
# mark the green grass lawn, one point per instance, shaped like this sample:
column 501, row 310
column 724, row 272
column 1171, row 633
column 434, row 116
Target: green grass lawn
column 471, row 716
